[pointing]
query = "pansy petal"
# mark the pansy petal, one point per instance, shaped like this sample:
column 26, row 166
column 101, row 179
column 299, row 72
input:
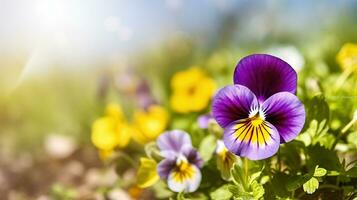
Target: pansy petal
column 265, row 75
column 164, row 167
column 172, row 142
column 185, row 181
column 285, row 111
column 232, row 103
column 147, row 173
column 193, row 157
column 253, row 141
column 204, row 120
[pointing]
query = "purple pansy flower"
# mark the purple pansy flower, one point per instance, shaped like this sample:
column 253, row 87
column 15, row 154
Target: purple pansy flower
column 204, row 120
column 181, row 164
column 260, row 110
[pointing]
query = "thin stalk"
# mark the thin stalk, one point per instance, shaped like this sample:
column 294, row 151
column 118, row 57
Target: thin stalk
column 343, row 132
column 246, row 169
column 348, row 126
column 125, row 156
column 343, row 77
column 279, row 161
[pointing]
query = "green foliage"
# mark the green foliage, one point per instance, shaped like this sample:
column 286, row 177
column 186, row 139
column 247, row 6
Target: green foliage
column 316, row 126
column 323, row 157
column 311, row 185
column 161, row 191
column 317, row 109
column 207, row 147
column 352, row 139
column 246, row 176
column 319, row 172
column 352, row 173
column 222, row 193
column 296, row 182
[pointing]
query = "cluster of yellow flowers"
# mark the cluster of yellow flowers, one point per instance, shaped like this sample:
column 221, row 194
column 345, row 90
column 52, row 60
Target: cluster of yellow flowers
column 192, row 90
column 114, row 131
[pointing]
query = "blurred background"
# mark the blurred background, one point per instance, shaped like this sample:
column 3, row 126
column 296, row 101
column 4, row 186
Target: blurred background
column 62, row 61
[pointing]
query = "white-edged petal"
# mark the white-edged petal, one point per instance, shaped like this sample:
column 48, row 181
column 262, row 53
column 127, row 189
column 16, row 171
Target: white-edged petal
column 188, row 183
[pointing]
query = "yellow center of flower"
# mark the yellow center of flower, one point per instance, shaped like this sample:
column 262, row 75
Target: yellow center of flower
column 183, row 171
column 256, row 121
column 254, row 130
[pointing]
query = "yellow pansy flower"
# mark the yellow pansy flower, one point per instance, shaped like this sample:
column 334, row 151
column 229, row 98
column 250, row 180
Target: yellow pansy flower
column 150, row 123
column 192, row 90
column 111, row 130
column 147, row 173
column 347, row 56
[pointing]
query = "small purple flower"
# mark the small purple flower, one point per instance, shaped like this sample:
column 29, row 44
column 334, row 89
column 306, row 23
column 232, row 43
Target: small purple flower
column 260, row 110
column 181, row 164
column 204, row 120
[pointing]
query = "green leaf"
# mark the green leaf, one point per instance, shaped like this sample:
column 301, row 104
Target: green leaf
column 222, row 193
column 297, row 181
column 244, row 196
column 290, row 153
column 319, row 172
column 304, row 137
column 258, row 190
column 161, row 190
column 317, row 109
column 352, row 173
column 333, row 173
column 238, row 176
column 181, row 196
column 318, row 133
column 254, row 176
column 207, row 147
column 323, row 157
column 311, row 185
column 327, row 140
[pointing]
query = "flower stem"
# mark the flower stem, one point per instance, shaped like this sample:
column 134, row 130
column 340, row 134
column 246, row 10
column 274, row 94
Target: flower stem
column 126, row 157
column 343, row 77
column 343, row 132
column 279, row 161
column 246, row 170
column 348, row 126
